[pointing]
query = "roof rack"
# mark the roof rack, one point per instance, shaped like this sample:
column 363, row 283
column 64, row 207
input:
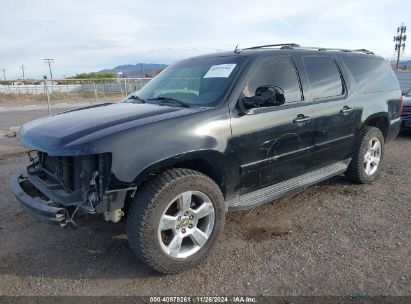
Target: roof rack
column 283, row 45
column 324, row 49
column 297, row 46
column 364, row 51
column 337, row 49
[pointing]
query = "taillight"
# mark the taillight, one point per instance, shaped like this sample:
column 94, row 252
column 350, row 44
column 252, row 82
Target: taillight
column 401, row 103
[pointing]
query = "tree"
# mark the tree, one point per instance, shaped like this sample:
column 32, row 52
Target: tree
column 93, row 76
column 159, row 70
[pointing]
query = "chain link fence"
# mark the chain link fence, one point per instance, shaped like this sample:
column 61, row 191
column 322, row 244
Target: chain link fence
column 34, row 92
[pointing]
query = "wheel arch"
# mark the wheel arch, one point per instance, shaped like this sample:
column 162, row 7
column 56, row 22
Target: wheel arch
column 208, row 162
column 378, row 120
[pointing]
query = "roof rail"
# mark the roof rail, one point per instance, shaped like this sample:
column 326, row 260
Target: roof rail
column 297, row 46
column 364, row 51
column 337, row 49
column 323, row 49
column 283, row 45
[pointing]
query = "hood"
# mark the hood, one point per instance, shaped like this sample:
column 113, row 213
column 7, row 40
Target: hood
column 51, row 134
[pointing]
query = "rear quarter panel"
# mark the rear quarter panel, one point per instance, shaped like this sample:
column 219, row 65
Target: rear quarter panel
column 379, row 102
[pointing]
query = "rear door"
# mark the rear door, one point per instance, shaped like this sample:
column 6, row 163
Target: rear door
column 334, row 118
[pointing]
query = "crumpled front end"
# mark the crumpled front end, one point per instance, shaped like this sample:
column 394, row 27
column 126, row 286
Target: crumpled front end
column 57, row 188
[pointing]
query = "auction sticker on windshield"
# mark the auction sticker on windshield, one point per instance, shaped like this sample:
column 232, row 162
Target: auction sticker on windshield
column 220, row 71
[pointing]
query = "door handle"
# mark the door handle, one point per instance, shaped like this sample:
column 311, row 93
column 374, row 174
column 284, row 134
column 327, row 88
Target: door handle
column 301, row 119
column 346, row 110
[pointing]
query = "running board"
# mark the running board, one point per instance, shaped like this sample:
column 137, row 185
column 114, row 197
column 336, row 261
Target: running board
column 270, row 193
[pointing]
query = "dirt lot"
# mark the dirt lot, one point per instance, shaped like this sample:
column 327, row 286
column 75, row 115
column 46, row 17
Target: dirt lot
column 332, row 239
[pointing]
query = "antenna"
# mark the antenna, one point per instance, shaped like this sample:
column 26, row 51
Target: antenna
column 237, row 50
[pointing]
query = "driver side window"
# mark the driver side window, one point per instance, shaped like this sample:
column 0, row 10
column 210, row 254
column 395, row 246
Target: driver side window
column 275, row 71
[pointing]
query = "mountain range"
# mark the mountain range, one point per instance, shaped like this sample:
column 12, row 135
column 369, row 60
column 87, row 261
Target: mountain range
column 136, row 70
column 407, row 62
column 402, row 61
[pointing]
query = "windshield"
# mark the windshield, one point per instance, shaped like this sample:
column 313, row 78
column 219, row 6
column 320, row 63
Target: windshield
column 192, row 82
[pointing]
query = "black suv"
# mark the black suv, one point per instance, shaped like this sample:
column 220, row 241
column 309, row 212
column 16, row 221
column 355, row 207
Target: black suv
column 406, row 111
column 210, row 134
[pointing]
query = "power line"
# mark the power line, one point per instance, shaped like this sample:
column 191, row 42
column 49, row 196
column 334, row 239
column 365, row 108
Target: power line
column 49, row 61
column 399, row 41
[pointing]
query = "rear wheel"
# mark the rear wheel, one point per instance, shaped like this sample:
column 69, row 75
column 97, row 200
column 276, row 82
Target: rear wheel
column 366, row 160
column 175, row 219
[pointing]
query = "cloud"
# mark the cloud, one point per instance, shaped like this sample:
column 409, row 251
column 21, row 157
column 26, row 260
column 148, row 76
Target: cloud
column 91, row 35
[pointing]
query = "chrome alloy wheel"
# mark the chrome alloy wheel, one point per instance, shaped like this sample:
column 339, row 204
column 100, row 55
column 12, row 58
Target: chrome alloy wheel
column 372, row 156
column 186, row 224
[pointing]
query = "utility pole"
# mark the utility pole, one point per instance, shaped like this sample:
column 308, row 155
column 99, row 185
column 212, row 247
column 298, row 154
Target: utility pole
column 141, row 70
column 49, row 61
column 22, row 68
column 5, row 79
column 46, row 88
column 399, row 41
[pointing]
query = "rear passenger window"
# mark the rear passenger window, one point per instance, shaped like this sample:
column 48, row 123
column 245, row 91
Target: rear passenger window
column 324, row 77
column 275, row 71
column 372, row 74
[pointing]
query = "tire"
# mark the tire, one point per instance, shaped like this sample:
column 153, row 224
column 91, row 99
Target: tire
column 160, row 200
column 358, row 170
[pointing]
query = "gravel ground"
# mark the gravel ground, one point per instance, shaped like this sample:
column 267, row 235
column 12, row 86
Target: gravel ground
column 335, row 238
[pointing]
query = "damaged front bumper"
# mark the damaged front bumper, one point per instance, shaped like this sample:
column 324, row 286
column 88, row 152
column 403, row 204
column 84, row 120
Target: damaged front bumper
column 32, row 202
column 56, row 189
column 40, row 205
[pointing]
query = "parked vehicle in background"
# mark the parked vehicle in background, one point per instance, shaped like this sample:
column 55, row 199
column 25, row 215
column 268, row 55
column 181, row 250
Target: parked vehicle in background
column 227, row 131
column 406, row 111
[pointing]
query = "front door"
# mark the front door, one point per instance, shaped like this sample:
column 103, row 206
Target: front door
column 273, row 143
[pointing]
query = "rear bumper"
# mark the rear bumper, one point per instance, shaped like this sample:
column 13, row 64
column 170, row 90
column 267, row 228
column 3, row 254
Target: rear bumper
column 393, row 129
column 35, row 206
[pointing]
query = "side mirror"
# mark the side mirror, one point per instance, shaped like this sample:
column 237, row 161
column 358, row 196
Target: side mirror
column 265, row 96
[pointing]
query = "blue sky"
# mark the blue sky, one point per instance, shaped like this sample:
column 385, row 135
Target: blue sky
column 90, row 35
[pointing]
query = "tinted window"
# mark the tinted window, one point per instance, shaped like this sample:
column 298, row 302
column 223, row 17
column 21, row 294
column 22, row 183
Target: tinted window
column 372, row 74
column 324, row 77
column 275, row 71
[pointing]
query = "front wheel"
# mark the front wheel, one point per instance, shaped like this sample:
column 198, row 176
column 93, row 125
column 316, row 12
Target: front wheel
column 367, row 158
column 175, row 219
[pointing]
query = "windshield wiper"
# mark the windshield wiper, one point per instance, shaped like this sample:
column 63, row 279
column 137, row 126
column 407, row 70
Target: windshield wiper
column 166, row 99
column 136, row 98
